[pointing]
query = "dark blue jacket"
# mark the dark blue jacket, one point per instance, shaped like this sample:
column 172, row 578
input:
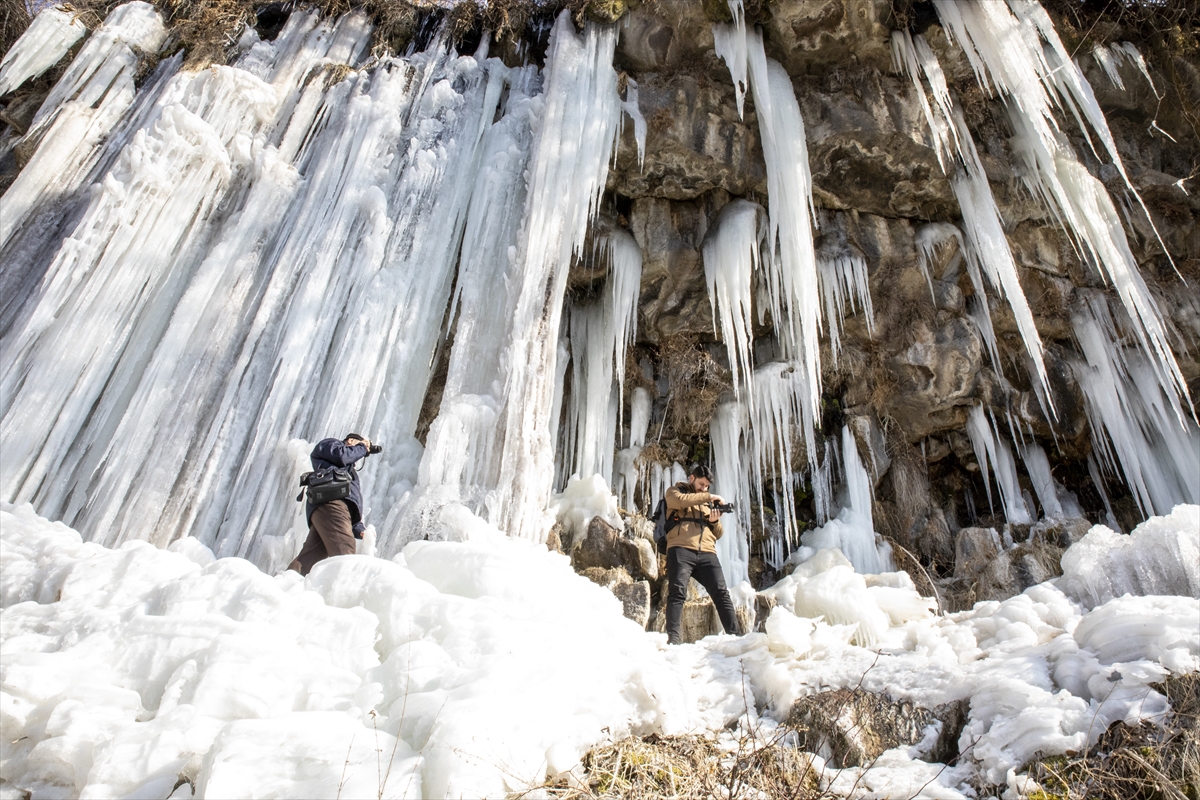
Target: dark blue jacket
column 336, row 453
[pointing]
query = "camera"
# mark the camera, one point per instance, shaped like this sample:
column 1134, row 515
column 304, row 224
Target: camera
column 724, row 508
column 375, row 448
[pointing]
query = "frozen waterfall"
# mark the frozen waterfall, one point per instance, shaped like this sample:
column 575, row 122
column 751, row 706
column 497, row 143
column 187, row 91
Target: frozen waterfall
column 298, row 224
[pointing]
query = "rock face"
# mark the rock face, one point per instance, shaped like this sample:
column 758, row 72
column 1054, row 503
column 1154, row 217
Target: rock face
column 605, row 547
column 635, row 597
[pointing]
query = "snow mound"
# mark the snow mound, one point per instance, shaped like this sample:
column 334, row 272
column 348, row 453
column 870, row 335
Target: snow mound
column 480, row 667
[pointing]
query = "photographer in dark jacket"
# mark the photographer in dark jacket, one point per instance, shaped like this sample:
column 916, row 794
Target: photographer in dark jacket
column 692, row 550
column 333, row 526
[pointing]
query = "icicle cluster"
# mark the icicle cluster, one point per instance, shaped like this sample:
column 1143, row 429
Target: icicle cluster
column 43, row 44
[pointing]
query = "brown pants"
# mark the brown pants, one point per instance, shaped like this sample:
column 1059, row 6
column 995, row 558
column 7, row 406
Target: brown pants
column 329, row 534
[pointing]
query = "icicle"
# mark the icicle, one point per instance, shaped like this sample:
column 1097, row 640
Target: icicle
column 43, row 44
column 730, row 481
column 630, row 106
column 1006, row 48
column 853, row 531
column 931, row 239
column 1038, row 467
column 990, row 447
column 1104, row 57
column 571, row 154
column 987, row 246
column 731, row 254
column 639, row 416
column 1133, row 424
column 844, row 280
column 778, row 412
column 791, row 274
column 1098, row 482
column 730, row 44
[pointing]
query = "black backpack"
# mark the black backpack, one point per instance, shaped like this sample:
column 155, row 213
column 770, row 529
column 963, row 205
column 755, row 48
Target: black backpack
column 326, row 485
column 664, row 523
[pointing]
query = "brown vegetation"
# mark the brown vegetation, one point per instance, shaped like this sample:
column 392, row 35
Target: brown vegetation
column 1145, row 762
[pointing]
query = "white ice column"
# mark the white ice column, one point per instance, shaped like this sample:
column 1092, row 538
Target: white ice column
column 731, row 482
column 1133, row 425
column 573, row 145
column 461, row 463
column 991, row 448
column 43, row 44
column 731, row 254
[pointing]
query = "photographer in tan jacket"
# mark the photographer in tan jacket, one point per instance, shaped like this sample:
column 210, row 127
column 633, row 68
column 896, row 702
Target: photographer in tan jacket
column 692, row 549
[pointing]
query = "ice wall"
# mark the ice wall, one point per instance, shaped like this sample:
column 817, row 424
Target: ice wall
column 298, row 225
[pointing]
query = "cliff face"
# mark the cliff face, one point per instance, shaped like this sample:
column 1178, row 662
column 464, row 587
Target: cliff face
column 877, row 183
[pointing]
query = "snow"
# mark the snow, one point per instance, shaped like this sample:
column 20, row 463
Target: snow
column 43, row 44
column 480, row 666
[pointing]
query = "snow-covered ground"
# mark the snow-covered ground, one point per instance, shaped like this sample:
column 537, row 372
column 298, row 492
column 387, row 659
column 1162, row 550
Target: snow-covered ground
column 477, row 668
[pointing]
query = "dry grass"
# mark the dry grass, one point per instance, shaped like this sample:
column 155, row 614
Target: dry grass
column 1145, row 762
column 697, row 383
column 693, row 767
column 14, row 19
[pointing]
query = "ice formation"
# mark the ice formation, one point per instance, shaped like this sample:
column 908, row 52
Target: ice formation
column 730, row 482
column 991, row 449
column 791, row 276
column 470, row 667
column 731, row 254
column 294, row 229
column 571, row 152
column 986, row 245
column 43, row 44
column 600, row 334
column 852, row 532
column 1133, row 422
column 1015, row 48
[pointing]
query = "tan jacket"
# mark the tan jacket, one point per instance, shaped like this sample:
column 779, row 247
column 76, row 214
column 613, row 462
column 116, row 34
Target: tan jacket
column 693, row 509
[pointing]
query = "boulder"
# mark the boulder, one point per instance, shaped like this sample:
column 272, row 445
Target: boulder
column 608, row 578
column 852, row 727
column 635, row 597
column 975, row 549
column 606, row 547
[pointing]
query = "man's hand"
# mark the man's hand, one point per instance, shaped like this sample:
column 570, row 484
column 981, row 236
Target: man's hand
column 716, row 500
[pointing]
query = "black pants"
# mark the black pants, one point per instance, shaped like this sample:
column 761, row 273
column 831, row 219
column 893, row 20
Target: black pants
column 683, row 564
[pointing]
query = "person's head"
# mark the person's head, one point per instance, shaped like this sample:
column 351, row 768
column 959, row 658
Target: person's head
column 700, row 477
column 353, row 439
